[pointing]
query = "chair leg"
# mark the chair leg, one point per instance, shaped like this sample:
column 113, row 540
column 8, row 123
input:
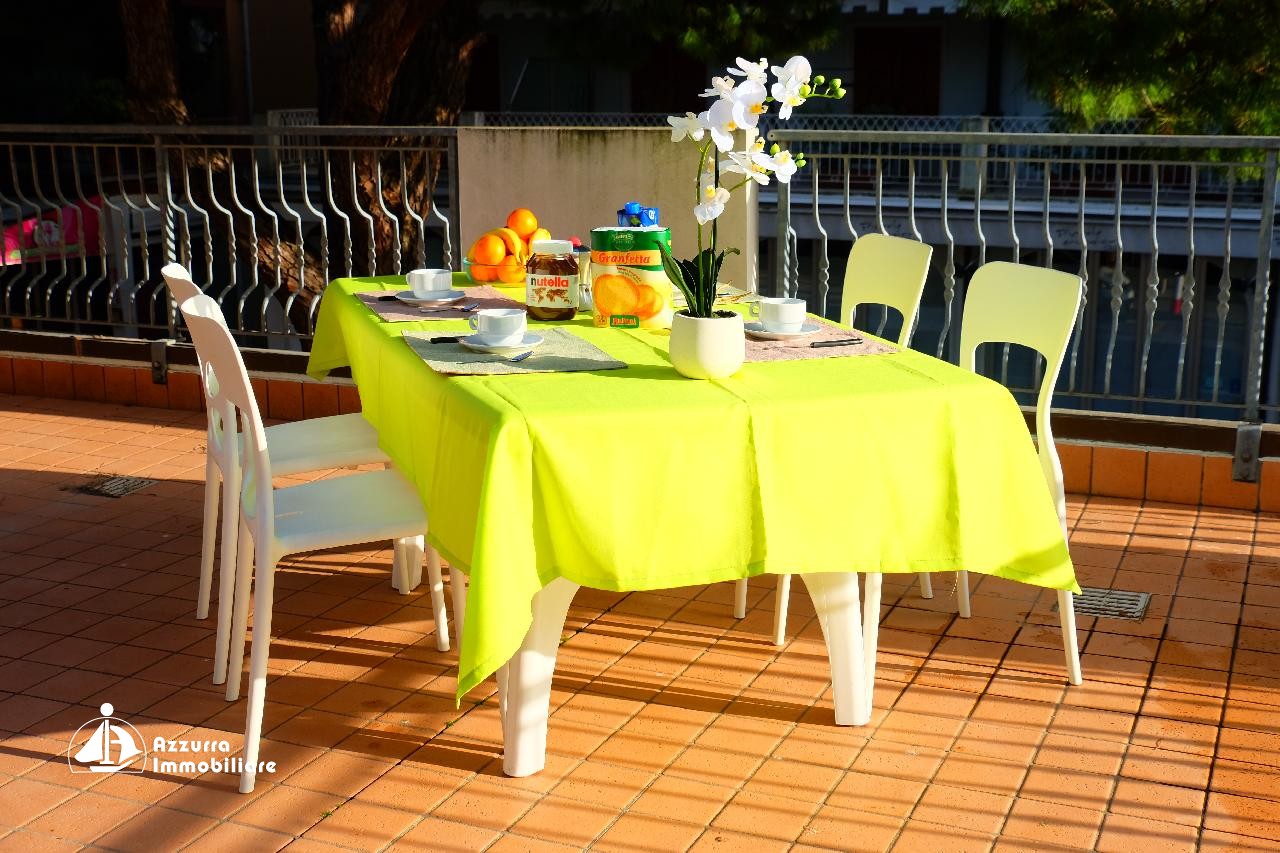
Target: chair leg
column 212, row 484
column 227, row 574
column 437, row 599
column 399, row 573
column 926, row 585
column 240, row 617
column 835, row 597
column 962, row 594
column 780, row 608
column 526, row 693
column 458, row 592
column 1067, row 613
column 871, row 631
column 262, row 601
column 740, row 598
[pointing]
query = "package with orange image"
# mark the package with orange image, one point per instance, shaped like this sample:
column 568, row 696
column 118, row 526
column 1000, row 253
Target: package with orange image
column 629, row 288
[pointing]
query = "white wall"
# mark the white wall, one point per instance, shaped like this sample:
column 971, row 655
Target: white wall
column 575, row 179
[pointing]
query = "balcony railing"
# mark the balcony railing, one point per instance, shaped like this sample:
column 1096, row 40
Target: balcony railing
column 1173, row 236
column 91, row 214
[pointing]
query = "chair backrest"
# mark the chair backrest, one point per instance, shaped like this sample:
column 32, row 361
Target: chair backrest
column 230, row 394
column 179, row 282
column 1034, row 307
column 887, row 271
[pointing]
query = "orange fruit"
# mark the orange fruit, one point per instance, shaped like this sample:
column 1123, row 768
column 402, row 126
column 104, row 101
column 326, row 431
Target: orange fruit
column 483, row 272
column 511, row 270
column 648, row 301
column 523, row 222
column 540, row 234
column 489, row 249
column 613, row 294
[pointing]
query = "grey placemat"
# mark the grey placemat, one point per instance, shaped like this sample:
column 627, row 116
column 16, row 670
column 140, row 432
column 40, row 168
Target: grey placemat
column 797, row 349
column 560, row 352
column 395, row 311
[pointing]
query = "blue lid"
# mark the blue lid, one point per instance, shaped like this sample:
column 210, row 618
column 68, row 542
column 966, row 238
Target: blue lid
column 631, row 207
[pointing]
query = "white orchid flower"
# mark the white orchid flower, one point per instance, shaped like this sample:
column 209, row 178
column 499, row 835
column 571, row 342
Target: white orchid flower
column 788, row 96
column 797, row 69
column 721, row 87
column 744, row 163
column 753, row 71
column 781, row 164
column 686, row 125
column 750, row 96
column 714, row 199
column 724, row 117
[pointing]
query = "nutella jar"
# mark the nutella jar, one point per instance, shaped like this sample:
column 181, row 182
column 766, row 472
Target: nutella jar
column 551, row 281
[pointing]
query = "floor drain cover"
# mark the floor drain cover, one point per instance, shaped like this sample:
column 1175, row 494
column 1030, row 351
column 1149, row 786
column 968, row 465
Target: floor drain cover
column 111, row 486
column 1112, row 603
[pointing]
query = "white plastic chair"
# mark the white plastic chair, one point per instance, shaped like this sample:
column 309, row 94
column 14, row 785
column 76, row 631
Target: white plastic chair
column 882, row 270
column 1037, row 308
column 295, row 448
column 365, row 507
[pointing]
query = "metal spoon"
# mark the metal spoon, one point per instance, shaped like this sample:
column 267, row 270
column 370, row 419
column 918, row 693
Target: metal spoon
column 470, row 306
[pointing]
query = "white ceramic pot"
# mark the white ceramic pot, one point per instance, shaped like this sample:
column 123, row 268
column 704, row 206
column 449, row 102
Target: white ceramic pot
column 707, row 347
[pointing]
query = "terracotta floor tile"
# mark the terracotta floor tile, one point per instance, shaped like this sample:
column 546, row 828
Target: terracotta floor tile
column 603, row 784
column 765, row 815
column 445, row 836
column 1069, row 787
column 362, row 826
column 234, row 836
column 884, row 795
column 85, row 817
column 1124, row 834
column 1053, row 823
column 35, row 842
column 636, row 833
column 487, row 805
column 1167, row 767
column 24, row 800
column 1158, row 802
column 963, row 808
column 690, row 800
column 717, row 840
column 1242, row 816
column 931, row 838
column 811, row 782
column 566, row 821
column 1212, row 841
column 175, row 828
column 339, row 773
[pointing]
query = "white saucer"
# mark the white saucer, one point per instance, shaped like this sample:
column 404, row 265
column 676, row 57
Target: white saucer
column 757, row 330
column 442, row 297
column 472, row 342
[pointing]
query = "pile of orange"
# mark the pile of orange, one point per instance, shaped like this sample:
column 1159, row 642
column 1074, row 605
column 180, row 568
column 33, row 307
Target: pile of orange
column 500, row 255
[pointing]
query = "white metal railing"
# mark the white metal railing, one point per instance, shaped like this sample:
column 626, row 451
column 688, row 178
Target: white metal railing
column 1173, row 236
column 264, row 220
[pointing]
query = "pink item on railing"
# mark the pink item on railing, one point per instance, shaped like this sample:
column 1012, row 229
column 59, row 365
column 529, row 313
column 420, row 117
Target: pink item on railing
column 52, row 233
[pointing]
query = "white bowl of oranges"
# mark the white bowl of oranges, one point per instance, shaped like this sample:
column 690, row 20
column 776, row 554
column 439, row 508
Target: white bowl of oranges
column 499, row 256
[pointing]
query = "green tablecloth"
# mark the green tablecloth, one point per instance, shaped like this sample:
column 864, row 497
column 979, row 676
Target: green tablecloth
column 641, row 479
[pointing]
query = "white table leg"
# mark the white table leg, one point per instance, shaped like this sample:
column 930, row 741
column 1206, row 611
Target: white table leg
column 525, row 692
column 740, row 599
column 835, row 597
column 871, row 631
column 782, row 603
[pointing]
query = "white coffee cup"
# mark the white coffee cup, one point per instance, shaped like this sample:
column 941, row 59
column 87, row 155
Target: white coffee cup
column 779, row 314
column 428, row 283
column 499, row 327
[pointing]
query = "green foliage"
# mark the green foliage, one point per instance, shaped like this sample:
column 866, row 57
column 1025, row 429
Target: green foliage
column 696, row 278
column 1187, row 66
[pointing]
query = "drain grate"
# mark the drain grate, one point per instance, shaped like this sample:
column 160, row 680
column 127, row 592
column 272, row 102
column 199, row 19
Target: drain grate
column 112, row 486
column 1112, row 603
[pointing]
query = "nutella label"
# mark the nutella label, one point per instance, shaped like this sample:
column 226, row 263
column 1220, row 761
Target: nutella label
column 551, row 291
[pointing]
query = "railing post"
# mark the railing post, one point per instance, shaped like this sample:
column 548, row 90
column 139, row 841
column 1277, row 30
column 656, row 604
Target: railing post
column 168, row 231
column 1247, row 464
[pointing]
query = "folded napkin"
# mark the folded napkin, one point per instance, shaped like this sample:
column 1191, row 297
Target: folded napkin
column 396, row 311
column 796, row 349
column 560, row 352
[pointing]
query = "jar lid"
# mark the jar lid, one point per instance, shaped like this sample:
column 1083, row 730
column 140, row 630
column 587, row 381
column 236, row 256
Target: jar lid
column 551, row 247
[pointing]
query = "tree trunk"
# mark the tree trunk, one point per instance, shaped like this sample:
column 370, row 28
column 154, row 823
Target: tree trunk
column 153, row 94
